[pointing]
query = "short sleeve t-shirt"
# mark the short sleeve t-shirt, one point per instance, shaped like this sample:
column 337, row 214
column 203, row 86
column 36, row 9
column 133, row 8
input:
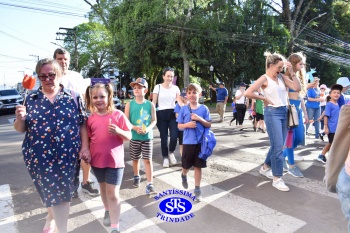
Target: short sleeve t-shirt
column 74, row 81
column 241, row 100
column 221, row 94
column 233, row 105
column 313, row 93
column 106, row 149
column 141, row 115
column 193, row 136
column 166, row 96
column 332, row 112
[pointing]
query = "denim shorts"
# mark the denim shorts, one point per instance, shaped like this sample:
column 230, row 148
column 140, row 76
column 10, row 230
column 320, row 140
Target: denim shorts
column 343, row 190
column 109, row 175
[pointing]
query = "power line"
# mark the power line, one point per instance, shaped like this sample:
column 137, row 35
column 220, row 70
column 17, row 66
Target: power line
column 45, row 11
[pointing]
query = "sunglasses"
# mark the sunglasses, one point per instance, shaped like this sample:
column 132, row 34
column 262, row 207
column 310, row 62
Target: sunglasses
column 51, row 76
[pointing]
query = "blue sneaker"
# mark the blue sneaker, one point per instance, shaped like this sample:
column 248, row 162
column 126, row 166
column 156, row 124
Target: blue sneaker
column 150, row 189
column 322, row 158
column 198, row 194
column 295, row 171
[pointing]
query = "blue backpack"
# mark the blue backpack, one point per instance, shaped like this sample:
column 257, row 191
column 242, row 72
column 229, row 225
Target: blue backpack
column 208, row 144
column 208, row 140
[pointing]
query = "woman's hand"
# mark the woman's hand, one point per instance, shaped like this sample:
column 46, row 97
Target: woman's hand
column 306, row 119
column 85, row 155
column 21, row 112
column 289, row 68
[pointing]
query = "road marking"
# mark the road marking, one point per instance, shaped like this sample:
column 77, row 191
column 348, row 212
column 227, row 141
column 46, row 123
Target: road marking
column 251, row 212
column 7, row 217
column 131, row 219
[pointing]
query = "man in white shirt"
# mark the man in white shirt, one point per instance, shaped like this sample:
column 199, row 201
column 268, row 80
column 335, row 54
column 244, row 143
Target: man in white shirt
column 74, row 81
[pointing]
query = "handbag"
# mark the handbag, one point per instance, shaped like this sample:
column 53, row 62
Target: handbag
column 293, row 119
column 293, row 116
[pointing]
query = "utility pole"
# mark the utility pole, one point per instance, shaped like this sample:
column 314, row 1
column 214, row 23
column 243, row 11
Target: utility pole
column 69, row 33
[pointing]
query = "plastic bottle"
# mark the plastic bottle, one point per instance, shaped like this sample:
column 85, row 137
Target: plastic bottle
column 289, row 139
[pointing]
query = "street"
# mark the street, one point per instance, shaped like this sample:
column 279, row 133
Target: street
column 236, row 198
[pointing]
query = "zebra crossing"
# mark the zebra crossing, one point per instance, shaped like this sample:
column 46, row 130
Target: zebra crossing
column 236, row 198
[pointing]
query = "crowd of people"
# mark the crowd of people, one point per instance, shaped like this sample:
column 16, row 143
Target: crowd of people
column 60, row 137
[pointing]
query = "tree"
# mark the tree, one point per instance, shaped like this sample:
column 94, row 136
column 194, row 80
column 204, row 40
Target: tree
column 94, row 48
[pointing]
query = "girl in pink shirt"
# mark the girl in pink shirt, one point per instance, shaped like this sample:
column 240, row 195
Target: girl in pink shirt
column 107, row 129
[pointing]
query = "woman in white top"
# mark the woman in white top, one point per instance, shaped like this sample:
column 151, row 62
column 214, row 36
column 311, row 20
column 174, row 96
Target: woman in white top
column 274, row 84
column 165, row 94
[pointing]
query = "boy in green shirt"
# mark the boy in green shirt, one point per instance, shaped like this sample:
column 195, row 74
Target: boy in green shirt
column 142, row 115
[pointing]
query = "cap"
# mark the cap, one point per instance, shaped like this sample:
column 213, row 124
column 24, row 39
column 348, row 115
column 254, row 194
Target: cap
column 323, row 86
column 337, row 87
column 183, row 92
column 344, row 81
column 242, row 84
column 141, row 82
column 221, row 83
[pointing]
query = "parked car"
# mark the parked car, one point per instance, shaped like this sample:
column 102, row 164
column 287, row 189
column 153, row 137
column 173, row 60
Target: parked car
column 116, row 101
column 347, row 96
column 9, row 99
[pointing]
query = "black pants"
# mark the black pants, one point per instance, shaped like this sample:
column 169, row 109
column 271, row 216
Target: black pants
column 241, row 109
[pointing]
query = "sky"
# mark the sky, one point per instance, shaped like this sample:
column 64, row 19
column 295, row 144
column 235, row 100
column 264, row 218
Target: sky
column 25, row 31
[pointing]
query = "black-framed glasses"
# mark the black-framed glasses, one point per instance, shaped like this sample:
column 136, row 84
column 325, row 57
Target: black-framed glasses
column 50, row 76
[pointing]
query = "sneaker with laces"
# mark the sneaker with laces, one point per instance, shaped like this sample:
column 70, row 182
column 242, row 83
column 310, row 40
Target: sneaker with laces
column 89, row 189
column 285, row 166
column 136, row 183
column 150, row 189
column 295, row 171
column 280, row 185
column 184, row 181
column 198, row 194
column 322, row 158
column 172, row 159
column 107, row 219
column 166, row 162
column 266, row 172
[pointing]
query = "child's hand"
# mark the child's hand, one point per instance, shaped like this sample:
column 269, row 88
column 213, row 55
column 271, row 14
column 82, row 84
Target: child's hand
column 195, row 117
column 85, row 155
column 326, row 130
column 113, row 129
column 191, row 124
column 138, row 129
column 320, row 118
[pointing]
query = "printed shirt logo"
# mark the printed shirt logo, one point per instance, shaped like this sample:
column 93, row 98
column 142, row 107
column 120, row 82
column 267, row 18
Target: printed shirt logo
column 143, row 121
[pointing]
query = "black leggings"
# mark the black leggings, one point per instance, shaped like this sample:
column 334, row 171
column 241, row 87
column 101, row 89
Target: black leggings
column 241, row 113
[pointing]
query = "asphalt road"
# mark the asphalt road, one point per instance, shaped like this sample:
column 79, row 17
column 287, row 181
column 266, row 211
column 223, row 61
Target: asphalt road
column 236, row 197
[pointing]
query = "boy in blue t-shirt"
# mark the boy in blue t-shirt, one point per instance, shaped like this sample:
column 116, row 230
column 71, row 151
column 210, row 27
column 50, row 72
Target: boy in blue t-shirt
column 193, row 118
column 331, row 115
column 234, row 111
column 176, row 111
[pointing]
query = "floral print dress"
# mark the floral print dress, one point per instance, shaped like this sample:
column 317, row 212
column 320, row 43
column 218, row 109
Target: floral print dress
column 52, row 143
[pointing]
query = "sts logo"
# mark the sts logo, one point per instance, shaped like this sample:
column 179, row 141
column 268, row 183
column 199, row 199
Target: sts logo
column 176, row 207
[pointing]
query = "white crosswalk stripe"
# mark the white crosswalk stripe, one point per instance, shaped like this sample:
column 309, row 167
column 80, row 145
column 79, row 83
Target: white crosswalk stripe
column 133, row 219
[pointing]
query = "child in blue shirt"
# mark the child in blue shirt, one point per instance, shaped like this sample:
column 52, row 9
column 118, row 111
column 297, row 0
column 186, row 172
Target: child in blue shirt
column 176, row 111
column 193, row 118
column 234, row 111
column 331, row 115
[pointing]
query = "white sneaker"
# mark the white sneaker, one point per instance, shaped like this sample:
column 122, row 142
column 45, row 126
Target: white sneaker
column 280, row 185
column 172, row 159
column 166, row 162
column 267, row 172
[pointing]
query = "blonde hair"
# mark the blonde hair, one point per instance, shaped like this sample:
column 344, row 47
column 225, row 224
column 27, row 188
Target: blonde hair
column 294, row 59
column 194, row 86
column 109, row 90
column 273, row 58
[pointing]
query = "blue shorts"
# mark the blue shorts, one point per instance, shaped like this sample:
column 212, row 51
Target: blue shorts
column 109, row 175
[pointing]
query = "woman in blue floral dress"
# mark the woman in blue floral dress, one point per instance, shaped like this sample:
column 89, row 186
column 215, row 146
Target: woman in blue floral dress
column 54, row 125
